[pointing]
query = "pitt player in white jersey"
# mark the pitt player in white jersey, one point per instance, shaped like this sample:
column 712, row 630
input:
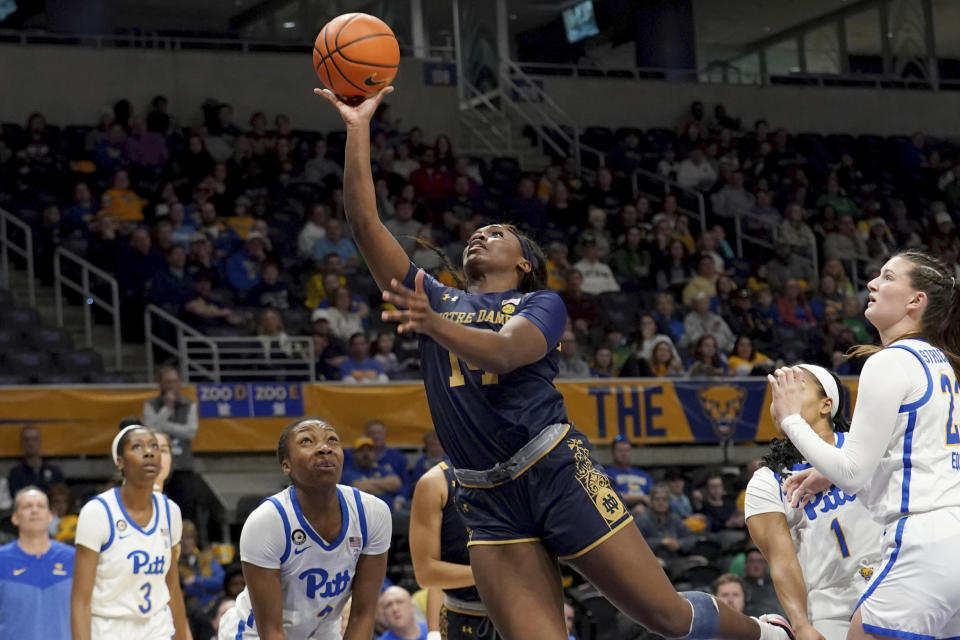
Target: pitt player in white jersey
column 306, row 550
column 821, row 555
column 126, row 583
column 901, row 456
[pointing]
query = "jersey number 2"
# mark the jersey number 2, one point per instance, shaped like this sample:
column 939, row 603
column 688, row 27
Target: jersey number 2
column 145, row 607
column 841, row 539
column 456, row 373
column 953, row 429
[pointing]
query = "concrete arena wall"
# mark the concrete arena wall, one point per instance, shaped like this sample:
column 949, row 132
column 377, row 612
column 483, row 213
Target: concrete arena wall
column 621, row 103
column 72, row 85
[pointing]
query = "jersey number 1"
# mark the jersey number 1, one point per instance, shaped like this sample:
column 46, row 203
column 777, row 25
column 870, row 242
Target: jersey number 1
column 953, row 429
column 841, row 539
column 456, row 373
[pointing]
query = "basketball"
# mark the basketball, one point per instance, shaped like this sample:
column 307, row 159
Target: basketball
column 355, row 55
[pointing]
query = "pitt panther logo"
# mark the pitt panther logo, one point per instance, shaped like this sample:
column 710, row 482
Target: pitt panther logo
column 723, row 405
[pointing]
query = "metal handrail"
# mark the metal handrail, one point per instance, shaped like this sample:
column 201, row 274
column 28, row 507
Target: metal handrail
column 741, row 236
column 179, row 43
column 89, row 297
column 510, row 71
column 669, row 187
column 246, row 358
column 26, row 252
column 471, row 104
column 176, row 350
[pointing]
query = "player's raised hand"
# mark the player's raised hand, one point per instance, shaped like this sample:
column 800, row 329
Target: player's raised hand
column 786, row 386
column 802, row 486
column 355, row 113
column 413, row 307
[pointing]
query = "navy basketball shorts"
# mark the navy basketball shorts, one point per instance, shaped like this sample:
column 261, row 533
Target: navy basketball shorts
column 459, row 625
column 564, row 500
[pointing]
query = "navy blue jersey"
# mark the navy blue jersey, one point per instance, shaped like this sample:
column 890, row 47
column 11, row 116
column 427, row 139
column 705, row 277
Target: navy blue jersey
column 453, row 536
column 481, row 418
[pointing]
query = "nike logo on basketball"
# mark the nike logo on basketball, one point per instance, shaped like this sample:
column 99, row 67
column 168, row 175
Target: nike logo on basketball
column 370, row 82
column 297, row 552
column 17, row 572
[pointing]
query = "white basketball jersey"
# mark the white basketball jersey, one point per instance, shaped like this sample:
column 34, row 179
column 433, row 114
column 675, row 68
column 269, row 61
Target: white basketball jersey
column 316, row 576
column 920, row 468
column 836, row 540
column 133, row 564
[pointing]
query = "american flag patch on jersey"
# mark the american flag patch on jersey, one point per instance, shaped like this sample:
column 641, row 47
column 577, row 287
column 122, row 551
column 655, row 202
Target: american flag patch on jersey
column 355, row 542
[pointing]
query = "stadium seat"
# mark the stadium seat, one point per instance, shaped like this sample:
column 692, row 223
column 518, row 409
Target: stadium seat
column 30, row 364
column 50, row 340
column 6, row 299
column 83, row 361
column 700, row 575
column 598, row 617
column 19, row 319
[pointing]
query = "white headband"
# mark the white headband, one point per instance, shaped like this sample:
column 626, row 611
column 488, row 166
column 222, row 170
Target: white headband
column 116, row 440
column 829, row 384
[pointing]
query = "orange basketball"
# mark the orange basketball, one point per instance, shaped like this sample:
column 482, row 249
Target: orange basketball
column 356, row 55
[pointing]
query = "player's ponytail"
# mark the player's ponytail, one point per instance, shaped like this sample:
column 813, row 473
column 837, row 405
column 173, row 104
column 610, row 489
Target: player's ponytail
column 454, row 272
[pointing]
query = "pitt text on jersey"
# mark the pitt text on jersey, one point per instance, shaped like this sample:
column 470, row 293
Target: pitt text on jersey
column 141, row 560
column 319, row 584
column 827, row 501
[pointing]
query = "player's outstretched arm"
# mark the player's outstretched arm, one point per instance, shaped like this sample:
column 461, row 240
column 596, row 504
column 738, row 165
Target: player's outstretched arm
column 519, row 342
column 266, row 597
column 365, row 593
column 772, row 536
column 426, row 519
column 84, row 574
column 177, row 607
column 381, row 251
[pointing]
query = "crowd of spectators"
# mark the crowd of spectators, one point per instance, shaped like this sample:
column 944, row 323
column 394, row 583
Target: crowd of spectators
column 218, row 224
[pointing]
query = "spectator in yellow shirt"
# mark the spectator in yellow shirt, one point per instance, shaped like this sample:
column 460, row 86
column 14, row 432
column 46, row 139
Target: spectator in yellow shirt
column 121, row 201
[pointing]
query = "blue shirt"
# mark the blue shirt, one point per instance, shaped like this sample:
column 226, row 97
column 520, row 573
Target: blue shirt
column 481, row 418
column 631, row 481
column 352, row 473
column 35, row 592
column 348, row 366
column 242, row 272
column 390, row 635
column 343, row 248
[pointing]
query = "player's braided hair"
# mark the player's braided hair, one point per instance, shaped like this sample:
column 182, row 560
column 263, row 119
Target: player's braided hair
column 783, row 454
column 940, row 325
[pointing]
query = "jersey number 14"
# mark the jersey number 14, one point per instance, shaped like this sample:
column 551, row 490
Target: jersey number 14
column 456, row 373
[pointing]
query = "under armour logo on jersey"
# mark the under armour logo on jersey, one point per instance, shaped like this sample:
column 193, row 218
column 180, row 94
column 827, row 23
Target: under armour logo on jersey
column 141, row 560
column 319, row 583
column 449, row 297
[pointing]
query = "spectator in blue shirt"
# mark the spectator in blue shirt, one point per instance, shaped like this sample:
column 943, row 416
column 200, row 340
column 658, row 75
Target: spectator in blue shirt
column 243, row 267
column 183, row 229
column 396, row 610
column 171, row 288
column 78, row 214
column 632, row 482
column 359, row 367
column 366, row 474
column 337, row 243
column 36, row 574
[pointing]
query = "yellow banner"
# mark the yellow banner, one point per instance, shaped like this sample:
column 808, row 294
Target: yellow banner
column 249, row 417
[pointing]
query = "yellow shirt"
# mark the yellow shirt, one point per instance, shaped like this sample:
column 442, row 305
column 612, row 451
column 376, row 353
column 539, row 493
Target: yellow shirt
column 315, row 293
column 125, row 204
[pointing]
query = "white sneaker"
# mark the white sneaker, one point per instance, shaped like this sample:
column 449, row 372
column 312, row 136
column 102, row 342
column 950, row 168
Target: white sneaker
column 773, row 626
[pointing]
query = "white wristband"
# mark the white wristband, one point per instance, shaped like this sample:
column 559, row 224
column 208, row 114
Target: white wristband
column 434, row 635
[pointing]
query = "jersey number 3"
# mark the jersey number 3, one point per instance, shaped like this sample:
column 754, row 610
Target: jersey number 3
column 953, row 429
column 145, row 607
column 456, row 373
